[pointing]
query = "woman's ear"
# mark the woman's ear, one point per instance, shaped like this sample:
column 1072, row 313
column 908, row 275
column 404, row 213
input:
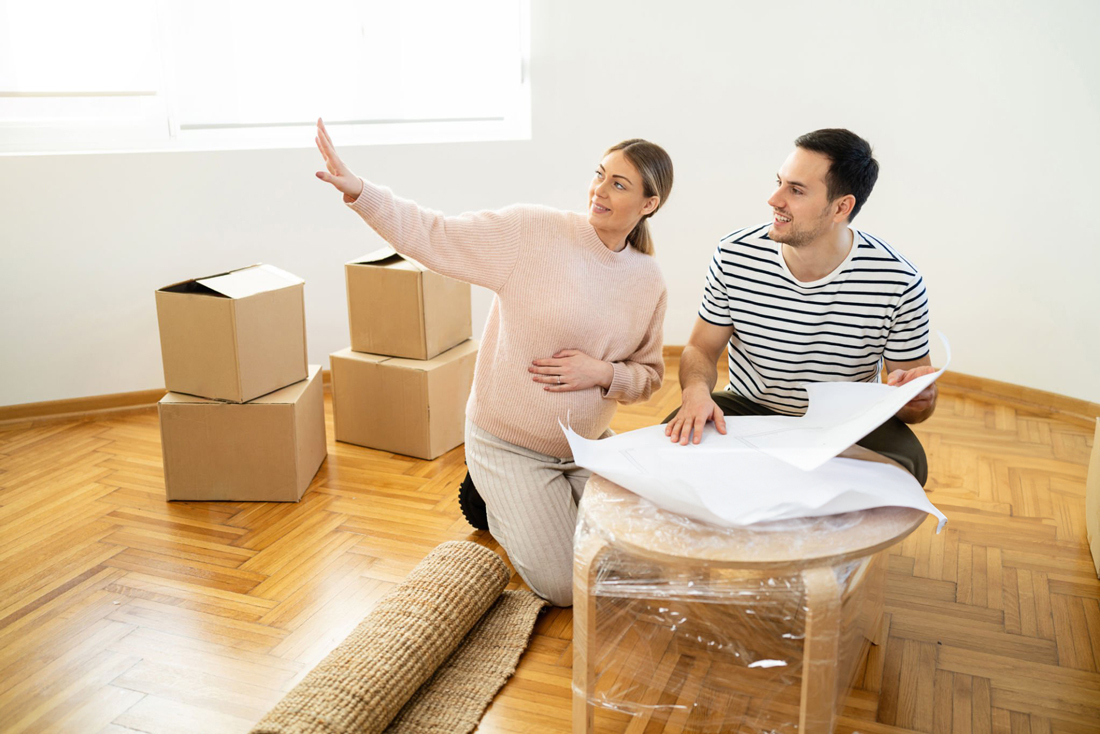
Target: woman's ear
column 651, row 205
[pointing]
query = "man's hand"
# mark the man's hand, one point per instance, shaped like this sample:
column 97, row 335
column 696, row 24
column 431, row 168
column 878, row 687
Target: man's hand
column 697, row 410
column 571, row 369
column 338, row 174
column 921, row 407
column 697, row 378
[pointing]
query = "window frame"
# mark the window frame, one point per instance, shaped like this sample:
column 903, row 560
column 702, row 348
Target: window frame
column 146, row 135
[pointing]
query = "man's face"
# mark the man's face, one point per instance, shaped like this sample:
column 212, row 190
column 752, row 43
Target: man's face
column 801, row 210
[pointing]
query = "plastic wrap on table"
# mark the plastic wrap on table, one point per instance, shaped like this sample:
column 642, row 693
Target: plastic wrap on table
column 704, row 645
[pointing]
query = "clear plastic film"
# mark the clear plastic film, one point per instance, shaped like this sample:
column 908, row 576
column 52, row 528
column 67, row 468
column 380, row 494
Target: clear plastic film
column 684, row 626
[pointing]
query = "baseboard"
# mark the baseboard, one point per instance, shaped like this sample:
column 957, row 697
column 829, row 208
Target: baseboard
column 80, row 407
column 1073, row 409
column 96, row 405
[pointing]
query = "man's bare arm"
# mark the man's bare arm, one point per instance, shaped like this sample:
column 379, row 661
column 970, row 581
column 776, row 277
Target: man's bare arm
column 697, row 379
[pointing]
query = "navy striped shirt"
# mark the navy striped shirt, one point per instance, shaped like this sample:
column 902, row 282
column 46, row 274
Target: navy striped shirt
column 787, row 333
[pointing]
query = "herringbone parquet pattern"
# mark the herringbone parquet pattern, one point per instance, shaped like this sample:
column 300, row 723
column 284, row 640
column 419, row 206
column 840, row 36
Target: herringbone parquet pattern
column 120, row 612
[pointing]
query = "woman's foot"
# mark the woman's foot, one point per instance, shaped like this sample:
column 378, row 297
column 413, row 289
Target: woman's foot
column 473, row 507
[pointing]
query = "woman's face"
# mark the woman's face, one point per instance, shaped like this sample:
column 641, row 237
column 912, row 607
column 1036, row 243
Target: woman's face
column 616, row 196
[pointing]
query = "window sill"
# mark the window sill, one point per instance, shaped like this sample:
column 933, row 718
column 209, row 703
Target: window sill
column 43, row 142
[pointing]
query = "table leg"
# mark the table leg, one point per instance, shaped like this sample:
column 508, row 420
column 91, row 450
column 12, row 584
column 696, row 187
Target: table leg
column 820, row 652
column 585, row 567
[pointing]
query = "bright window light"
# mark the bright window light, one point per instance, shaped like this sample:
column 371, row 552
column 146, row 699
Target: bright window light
column 209, row 74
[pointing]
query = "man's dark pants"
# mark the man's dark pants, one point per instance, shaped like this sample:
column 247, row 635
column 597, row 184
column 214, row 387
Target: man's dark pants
column 893, row 439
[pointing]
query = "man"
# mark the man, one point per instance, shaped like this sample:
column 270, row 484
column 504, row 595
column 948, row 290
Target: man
column 806, row 298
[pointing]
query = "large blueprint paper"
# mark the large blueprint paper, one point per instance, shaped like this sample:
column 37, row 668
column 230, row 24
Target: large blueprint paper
column 768, row 467
column 840, row 414
column 745, row 487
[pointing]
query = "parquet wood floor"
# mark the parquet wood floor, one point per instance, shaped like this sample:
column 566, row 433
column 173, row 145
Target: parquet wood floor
column 120, row 612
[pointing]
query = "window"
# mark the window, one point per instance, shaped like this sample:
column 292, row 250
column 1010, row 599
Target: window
column 205, row 74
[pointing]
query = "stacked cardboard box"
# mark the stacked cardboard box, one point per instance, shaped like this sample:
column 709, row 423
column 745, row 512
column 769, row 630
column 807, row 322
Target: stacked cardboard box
column 402, row 386
column 244, row 417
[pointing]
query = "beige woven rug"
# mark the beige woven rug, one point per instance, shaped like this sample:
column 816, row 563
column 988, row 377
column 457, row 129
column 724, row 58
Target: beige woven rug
column 409, row 640
column 454, row 699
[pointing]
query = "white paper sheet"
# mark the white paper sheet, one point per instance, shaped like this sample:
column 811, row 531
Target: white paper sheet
column 839, row 414
column 768, row 467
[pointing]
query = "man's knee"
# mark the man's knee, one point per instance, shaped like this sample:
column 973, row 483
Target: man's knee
column 919, row 460
column 896, row 440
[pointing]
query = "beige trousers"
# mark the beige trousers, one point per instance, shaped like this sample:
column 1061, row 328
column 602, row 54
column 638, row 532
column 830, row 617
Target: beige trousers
column 531, row 501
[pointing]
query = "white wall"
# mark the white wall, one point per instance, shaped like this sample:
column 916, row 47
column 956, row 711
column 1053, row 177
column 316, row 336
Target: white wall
column 985, row 118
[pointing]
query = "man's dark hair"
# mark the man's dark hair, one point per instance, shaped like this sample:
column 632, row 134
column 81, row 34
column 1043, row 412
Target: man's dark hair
column 852, row 168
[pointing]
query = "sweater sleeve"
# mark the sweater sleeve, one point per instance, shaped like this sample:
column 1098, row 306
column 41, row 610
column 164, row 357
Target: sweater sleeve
column 479, row 247
column 637, row 377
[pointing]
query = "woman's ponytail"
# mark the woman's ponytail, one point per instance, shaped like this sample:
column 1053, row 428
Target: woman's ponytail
column 639, row 237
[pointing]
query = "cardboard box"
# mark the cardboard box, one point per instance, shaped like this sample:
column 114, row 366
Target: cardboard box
column 234, row 336
column 404, row 406
column 266, row 450
column 397, row 307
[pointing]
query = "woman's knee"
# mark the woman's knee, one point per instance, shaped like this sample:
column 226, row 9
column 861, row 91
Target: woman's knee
column 556, row 590
column 547, row 567
column 549, row 575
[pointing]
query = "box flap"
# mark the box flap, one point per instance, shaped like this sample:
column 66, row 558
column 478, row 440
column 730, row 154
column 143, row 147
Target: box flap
column 189, row 287
column 250, row 281
column 387, row 257
column 382, row 253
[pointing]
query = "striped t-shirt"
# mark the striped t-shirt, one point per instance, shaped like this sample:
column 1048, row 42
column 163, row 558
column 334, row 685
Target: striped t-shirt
column 787, row 333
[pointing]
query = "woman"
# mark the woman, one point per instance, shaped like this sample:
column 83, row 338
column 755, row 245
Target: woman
column 574, row 329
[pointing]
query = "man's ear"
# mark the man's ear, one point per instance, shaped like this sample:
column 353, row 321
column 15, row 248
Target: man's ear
column 843, row 208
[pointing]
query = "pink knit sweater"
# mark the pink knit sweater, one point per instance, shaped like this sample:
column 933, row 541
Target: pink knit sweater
column 557, row 287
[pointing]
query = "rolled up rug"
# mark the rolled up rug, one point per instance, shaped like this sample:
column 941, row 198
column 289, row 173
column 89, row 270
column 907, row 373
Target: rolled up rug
column 367, row 680
column 453, row 700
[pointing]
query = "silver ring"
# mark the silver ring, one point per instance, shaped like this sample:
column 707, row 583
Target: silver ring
column 559, row 379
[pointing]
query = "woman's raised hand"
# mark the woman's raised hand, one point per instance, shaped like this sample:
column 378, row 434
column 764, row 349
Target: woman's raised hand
column 338, row 174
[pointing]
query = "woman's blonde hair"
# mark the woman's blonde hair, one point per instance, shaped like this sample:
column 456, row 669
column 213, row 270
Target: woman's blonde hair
column 654, row 164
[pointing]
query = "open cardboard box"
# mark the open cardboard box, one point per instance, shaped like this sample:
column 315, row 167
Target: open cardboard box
column 399, row 308
column 266, row 450
column 404, row 406
column 234, row 336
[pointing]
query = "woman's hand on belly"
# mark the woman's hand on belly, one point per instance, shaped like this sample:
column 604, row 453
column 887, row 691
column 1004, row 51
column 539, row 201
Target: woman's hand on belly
column 571, row 369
